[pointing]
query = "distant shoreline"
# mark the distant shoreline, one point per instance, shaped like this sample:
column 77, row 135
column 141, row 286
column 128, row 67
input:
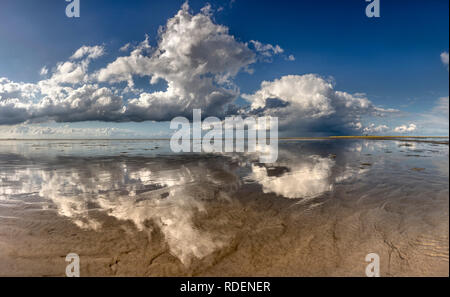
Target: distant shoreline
column 280, row 138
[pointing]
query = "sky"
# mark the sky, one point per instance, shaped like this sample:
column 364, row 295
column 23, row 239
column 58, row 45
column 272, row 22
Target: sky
column 124, row 69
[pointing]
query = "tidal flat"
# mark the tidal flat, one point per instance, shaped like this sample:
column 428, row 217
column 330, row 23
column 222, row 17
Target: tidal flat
column 133, row 208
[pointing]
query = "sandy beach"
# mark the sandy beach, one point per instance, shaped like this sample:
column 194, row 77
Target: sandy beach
column 131, row 208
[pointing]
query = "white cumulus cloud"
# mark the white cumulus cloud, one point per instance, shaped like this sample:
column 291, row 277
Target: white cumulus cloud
column 444, row 58
column 192, row 66
column 372, row 128
column 405, row 128
column 44, row 71
column 311, row 103
column 90, row 52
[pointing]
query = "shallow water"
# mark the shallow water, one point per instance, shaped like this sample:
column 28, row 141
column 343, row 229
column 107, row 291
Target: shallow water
column 133, row 208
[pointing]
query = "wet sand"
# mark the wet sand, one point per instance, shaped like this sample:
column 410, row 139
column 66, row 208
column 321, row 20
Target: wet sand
column 131, row 208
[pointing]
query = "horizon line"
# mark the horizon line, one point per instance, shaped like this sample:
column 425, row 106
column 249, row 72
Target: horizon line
column 280, row 138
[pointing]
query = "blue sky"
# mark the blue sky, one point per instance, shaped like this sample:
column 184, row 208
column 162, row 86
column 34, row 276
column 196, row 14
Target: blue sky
column 396, row 61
